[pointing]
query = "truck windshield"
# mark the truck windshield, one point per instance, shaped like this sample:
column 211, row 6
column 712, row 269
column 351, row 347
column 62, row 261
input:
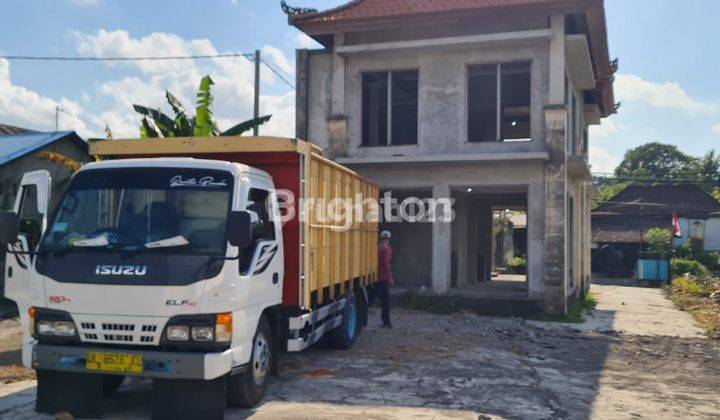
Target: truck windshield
column 143, row 210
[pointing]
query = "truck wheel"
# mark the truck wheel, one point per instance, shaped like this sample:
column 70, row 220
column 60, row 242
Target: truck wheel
column 111, row 383
column 248, row 387
column 343, row 336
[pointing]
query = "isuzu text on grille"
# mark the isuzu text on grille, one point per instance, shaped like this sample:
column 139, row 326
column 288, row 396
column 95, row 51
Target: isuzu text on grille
column 121, row 270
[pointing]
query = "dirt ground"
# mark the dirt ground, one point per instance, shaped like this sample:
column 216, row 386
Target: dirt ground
column 469, row 366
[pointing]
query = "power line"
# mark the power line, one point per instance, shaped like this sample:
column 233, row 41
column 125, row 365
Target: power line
column 131, row 58
column 278, row 72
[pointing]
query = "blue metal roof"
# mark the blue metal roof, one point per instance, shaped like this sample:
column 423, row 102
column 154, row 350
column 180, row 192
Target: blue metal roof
column 18, row 145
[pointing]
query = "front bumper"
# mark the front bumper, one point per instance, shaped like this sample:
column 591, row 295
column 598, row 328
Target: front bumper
column 157, row 364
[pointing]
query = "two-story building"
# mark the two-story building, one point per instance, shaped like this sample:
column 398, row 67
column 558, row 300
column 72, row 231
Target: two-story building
column 486, row 102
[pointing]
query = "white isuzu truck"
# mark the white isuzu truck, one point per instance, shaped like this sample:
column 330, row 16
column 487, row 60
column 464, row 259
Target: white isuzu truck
column 191, row 261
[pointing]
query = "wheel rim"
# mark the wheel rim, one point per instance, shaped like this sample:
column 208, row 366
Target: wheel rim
column 351, row 321
column 261, row 359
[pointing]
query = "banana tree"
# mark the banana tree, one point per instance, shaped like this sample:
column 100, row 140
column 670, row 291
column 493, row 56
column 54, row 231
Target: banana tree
column 157, row 124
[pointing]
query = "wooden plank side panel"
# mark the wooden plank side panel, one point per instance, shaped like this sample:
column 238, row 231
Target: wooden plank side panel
column 344, row 249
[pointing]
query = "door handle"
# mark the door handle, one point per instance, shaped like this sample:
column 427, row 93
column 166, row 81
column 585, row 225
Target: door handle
column 276, row 278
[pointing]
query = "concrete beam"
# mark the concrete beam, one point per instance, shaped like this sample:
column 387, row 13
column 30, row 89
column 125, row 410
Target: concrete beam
column 579, row 63
column 480, row 157
column 468, row 41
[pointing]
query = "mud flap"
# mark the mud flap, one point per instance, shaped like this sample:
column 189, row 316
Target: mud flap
column 188, row 399
column 80, row 394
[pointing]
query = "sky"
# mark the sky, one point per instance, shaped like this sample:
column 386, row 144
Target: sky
column 667, row 81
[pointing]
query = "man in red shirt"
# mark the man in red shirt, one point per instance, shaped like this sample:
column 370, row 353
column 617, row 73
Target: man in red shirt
column 385, row 279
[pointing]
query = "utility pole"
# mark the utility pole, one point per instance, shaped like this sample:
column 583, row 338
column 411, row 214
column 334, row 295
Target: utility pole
column 57, row 117
column 256, row 112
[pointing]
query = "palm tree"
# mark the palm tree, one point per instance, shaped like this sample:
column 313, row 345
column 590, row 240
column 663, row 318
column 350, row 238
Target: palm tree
column 157, row 124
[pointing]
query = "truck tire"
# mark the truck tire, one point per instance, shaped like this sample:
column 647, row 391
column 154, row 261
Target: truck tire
column 111, row 383
column 79, row 394
column 343, row 336
column 247, row 388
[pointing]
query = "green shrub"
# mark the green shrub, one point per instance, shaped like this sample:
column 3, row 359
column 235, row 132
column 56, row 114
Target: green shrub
column 518, row 265
column 680, row 266
column 711, row 260
column 658, row 240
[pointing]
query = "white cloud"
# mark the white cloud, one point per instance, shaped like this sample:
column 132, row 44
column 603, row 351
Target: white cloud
column 304, row 41
column 85, row 2
column 716, row 129
column 276, row 56
column 602, row 161
column 233, row 77
column 25, row 108
column 670, row 95
column 146, row 83
column 606, row 129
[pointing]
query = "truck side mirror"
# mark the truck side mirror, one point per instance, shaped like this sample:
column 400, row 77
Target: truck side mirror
column 239, row 228
column 9, row 227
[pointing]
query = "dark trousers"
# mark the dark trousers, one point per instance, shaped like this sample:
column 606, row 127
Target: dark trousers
column 382, row 292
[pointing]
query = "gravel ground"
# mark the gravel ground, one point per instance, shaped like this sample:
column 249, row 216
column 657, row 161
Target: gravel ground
column 469, row 366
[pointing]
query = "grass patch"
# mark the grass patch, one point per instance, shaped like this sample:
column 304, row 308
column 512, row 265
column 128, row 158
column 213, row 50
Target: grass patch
column 700, row 297
column 575, row 313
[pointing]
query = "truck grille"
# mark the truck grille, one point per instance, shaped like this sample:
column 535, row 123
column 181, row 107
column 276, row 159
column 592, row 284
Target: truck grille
column 116, row 331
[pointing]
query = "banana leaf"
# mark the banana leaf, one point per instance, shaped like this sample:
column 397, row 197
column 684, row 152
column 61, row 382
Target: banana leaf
column 246, row 125
column 203, row 115
column 163, row 123
column 147, row 130
column 183, row 127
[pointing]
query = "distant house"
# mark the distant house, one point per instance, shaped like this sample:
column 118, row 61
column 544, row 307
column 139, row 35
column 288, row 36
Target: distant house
column 19, row 150
column 619, row 224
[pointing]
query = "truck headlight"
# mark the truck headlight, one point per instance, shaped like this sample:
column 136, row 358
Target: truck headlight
column 178, row 333
column 203, row 333
column 56, row 328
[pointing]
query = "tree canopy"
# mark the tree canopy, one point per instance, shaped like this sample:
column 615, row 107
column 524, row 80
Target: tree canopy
column 662, row 163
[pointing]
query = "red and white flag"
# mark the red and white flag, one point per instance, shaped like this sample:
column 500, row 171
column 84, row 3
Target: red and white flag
column 677, row 232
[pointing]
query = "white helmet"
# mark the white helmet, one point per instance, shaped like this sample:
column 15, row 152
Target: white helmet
column 385, row 234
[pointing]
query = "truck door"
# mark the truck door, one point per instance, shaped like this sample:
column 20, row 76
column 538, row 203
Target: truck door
column 31, row 206
column 265, row 254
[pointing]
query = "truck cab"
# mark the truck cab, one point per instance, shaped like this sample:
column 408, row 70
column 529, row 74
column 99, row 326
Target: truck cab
column 162, row 267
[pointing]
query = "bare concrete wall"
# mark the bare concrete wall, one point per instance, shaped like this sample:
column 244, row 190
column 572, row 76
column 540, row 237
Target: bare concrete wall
column 412, row 244
column 442, row 126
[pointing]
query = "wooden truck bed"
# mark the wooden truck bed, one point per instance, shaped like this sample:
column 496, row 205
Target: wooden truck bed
column 321, row 259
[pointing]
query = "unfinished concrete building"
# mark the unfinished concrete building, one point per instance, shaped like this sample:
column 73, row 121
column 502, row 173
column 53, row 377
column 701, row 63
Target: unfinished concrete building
column 484, row 101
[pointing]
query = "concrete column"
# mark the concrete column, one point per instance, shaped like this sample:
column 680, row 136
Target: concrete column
column 338, row 79
column 337, row 120
column 472, row 238
column 460, row 235
column 441, row 242
column 557, row 60
column 484, row 239
column 535, row 240
column 555, row 211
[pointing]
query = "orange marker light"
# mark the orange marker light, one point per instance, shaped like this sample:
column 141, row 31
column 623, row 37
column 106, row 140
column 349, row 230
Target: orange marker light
column 223, row 327
column 32, row 311
column 224, row 318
